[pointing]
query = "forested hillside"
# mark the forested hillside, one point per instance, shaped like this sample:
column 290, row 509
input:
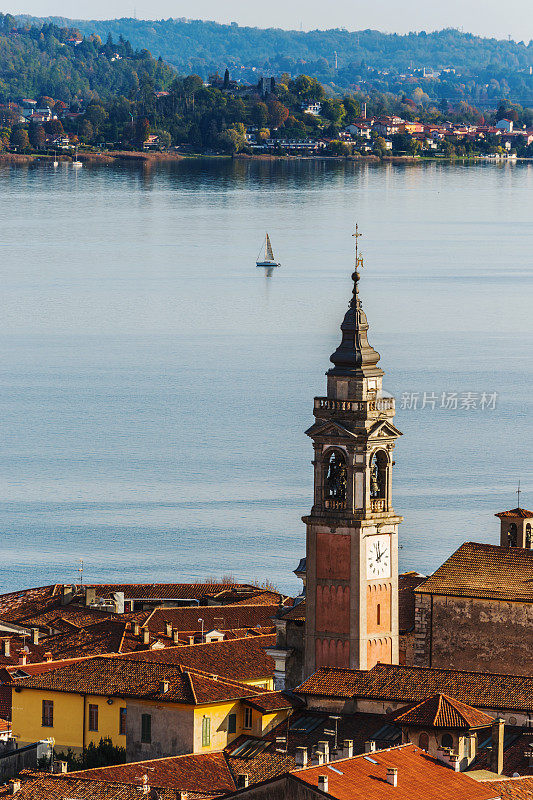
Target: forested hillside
column 59, row 61
column 485, row 69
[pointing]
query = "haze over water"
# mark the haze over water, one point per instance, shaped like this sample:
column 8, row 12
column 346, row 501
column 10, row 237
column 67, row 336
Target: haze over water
column 155, row 386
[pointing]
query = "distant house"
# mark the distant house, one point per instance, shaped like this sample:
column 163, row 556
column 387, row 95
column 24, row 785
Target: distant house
column 312, row 108
column 505, row 125
column 152, row 143
column 362, row 129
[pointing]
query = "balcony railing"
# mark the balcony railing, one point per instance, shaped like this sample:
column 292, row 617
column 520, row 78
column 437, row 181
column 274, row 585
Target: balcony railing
column 380, row 404
column 377, row 504
column 335, row 504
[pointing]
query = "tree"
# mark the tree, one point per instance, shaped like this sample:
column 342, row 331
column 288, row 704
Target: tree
column 259, row 114
column 86, row 131
column 96, row 115
column 233, row 139
column 37, row 136
column 277, row 113
column 225, row 83
column 164, row 138
column 19, row 140
column 142, row 130
column 333, row 110
column 55, row 127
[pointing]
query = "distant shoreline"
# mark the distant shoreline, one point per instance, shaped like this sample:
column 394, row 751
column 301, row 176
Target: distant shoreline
column 125, row 156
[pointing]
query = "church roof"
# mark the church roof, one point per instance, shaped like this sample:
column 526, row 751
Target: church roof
column 522, row 513
column 355, row 356
column 485, row 571
column 441, row 711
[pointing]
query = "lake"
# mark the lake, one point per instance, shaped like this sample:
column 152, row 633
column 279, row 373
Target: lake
column 155, row 385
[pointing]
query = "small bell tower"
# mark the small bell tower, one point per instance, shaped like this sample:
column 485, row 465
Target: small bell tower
column 352, row 530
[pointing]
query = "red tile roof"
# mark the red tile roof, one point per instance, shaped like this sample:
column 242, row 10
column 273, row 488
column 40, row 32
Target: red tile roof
column 171, row 591
column 203, row 772
column 222, row 618
column 441, row 711
column 419, row 776
column 271, row 701
column 511, row 788
column 62, row 787
column 485, row 571
column 240, row 659
column 414, row 684
column 112, row 676
column 516, row 512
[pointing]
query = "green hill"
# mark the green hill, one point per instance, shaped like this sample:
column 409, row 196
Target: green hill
column 60, row 62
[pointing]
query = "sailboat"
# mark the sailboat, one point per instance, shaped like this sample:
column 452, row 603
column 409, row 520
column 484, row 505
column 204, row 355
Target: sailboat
column 56, row 162
column 76, row 163
column 268, row 259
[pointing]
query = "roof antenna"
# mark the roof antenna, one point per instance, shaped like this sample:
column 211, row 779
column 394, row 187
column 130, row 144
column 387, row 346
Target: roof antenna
column 518, row 493
column 80, row 570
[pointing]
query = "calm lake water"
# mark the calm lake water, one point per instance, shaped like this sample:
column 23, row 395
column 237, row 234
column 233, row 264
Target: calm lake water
column 155, row 386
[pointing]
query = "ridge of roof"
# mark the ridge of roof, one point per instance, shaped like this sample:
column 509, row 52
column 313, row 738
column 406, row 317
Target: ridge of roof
column 441, row 711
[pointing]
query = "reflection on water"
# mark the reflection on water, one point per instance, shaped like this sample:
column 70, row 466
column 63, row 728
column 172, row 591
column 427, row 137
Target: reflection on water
column 155, row 386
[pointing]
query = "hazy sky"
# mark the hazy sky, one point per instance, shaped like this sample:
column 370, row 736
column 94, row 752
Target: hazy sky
column 485, row 17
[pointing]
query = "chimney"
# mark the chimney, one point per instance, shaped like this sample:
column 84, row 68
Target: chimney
column 242, row 781
column 324, row 747
column 67, row 594
column 7, row 647
column 146, row 636
column 48, row 656
column 90, row 595
column 168, row 629
column 300, row 758
column 175, row 636
column 319, row 757
column 22, row 659
column 392, row 776
column 323, row 782
column 348, row 748
column 496, row 757
column 164, row 686
column 136, row 629
column 14, row 786
column 60, row 767
column 35, row 635
column 181, row 795
column 370, row 746
column 191, row 639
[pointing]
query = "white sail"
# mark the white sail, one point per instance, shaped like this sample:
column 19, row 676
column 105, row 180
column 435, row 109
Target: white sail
column 269, row 255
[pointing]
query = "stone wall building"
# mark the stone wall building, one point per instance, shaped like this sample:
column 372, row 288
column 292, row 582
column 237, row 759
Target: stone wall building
column 476, row 611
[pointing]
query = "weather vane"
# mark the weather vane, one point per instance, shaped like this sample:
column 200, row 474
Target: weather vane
column 358, row 258
column 518, row 493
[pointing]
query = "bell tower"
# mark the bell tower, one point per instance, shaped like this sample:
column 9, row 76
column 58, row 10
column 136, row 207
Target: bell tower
column 352, row 530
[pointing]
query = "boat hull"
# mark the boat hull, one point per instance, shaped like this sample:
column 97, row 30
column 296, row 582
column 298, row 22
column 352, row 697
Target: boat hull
column 267, row 264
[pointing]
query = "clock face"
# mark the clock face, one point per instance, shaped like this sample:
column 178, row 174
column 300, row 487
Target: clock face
column 378, row 557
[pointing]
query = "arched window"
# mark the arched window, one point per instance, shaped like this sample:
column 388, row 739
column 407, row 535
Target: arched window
column 447, row 740
column 528, row 535
column 423, row 741
column 378, row 614
column 378, row 475
column 335, row 480
column 512, row 535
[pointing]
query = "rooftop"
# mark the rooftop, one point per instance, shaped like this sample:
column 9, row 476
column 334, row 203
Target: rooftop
column 203, row 772
column 415, row 684
column 110, row 676
column 485, row 571
column 522, row 513
column 364, row 777
column 511, row 788
column 441, row 711
column 225, row 617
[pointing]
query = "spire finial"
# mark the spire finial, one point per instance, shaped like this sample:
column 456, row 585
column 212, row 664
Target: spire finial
column 358, row 263
column 518, row 493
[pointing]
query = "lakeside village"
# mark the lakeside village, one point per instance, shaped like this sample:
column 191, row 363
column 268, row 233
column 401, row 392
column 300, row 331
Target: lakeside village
column 272, row 118
column 369, row 685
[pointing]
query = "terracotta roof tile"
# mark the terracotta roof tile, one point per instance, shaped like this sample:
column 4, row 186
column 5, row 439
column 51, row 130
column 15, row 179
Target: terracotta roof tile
column 113, row 676
column 511, row 788
column 414, row 684
column 271, row 701
column 220, row 617
column 239, row 659
column 484, row 570
column 516, row 512
column 203, row 772
column 170, row 591
column 441, row 711
column 419, row 775
column 295, row 612
column 61, row 788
